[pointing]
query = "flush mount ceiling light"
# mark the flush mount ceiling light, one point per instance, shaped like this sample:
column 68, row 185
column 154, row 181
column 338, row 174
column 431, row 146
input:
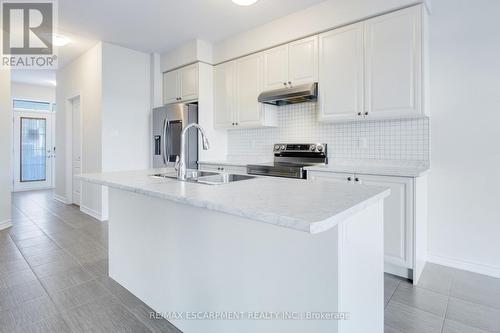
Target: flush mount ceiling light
column 60, row 40
column 245, row 2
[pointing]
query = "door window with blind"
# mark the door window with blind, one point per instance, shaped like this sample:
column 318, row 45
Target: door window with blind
column 33, row 148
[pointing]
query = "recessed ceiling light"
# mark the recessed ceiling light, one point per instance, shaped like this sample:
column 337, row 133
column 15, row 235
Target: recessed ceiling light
column 60, row 40
column 245, row 2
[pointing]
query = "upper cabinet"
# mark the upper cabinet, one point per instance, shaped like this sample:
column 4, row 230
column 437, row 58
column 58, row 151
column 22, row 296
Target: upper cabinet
column 291, row 64
column 373, row 69
column 180, row 84
column 393, row 64
column 341, row 75
column 303, row 61
column 237, row 85
column 224, row 94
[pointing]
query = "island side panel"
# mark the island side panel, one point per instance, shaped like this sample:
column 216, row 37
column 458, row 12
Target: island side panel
column 361, row 274
column 181, row 258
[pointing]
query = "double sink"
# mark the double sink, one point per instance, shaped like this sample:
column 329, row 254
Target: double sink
column 205, row 177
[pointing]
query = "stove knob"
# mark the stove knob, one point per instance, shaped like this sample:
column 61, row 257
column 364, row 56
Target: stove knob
column 312, row 148
column 282, row 147
column 320, row 148
column 276, row 147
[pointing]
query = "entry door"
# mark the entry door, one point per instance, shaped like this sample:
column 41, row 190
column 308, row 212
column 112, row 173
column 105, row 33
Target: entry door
column 76, row 149
column 33, row 151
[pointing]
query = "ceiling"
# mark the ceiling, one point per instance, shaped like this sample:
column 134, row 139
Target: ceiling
column 160, row 25
column 153, row 25
column 65, row 55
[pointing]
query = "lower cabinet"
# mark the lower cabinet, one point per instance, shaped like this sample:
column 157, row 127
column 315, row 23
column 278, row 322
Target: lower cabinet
column 399, row 209
column 240, row 170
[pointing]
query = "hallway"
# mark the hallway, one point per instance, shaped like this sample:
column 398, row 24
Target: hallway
column 53, row 274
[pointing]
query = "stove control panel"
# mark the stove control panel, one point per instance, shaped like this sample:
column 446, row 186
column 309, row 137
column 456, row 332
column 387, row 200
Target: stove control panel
column 300, row 148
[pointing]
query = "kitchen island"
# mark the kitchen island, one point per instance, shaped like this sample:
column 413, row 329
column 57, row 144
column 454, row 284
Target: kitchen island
column 257, row 255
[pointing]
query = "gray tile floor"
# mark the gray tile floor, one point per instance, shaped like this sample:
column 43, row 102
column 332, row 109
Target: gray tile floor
column 53, row 278
column 53, row 274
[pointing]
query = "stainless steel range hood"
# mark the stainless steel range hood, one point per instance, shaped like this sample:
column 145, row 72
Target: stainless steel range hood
column 292, row 95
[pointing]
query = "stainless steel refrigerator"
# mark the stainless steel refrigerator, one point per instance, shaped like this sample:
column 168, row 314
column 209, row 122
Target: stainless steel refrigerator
column 168, row 123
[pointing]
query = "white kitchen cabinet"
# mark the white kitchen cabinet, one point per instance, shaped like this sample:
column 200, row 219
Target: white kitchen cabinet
column 291, row 64
column 249, row 81
column 276, row 68
column 188, row 82
column 341, row 76
column 180, row 85
column 170, row 90
column 224, row 94
column 227, row 168
column 398, row 216
column 373, row 69
column 237, row 85
column 393, row 64
column 303, row 61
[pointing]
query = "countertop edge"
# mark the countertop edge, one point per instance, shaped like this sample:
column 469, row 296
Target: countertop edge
column 281, row 221
column 379, row 172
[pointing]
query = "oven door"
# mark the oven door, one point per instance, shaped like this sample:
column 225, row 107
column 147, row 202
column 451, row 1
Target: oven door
column 276, row 171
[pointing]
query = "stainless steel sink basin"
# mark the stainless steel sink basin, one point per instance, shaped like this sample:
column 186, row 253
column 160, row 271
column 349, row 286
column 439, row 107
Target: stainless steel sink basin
column 222, row 178
column 205, row 177
column 191, row 174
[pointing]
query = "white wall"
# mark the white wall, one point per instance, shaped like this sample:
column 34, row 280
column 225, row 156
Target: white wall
column 187, row 53
column 464, row 210
column 323, row 16
column 114, row 87
column 5, row 148
column 33, row 92
column 81, row 77
column 125, row 109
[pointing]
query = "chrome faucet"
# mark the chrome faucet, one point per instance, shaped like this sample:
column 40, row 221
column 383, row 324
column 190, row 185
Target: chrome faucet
column 181, row 162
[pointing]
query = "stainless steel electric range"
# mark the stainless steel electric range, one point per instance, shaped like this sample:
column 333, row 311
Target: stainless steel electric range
column 291, row 159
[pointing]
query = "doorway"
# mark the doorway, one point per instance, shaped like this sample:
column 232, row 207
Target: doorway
column 34, row 150
column 76, row 149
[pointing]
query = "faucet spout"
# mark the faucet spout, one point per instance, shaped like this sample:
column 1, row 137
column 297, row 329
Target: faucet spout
column 181, row 167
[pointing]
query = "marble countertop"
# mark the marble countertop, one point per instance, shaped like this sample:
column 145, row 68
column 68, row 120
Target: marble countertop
column 375, row 167
column 302, row 205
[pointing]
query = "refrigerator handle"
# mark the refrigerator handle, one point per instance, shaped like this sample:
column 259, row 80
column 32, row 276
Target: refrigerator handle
column 165, row 141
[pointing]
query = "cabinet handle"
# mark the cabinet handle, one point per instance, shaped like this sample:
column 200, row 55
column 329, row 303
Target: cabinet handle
column 284, row 83
column 290, row 82
column 366, row 113
column 349, row 179
column 356, row 179
column 359, row 113
column 236, row 124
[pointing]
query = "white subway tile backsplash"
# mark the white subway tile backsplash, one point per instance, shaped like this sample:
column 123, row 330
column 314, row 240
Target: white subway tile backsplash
column 403, row 139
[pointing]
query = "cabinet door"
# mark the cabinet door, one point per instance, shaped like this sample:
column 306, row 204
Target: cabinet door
column 249, row 81
column 188, row 82
column 393, row 64
column 170, row 87
column 224, row 86
column 341, row 73
column 303, row 61
column 336, row 177
column 276, row 68
column 398, row 218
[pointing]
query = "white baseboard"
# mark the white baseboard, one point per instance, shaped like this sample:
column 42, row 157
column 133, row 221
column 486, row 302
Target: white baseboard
column 91, row 212
column 60, row 198
column 464, row 265
column 5, row 224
